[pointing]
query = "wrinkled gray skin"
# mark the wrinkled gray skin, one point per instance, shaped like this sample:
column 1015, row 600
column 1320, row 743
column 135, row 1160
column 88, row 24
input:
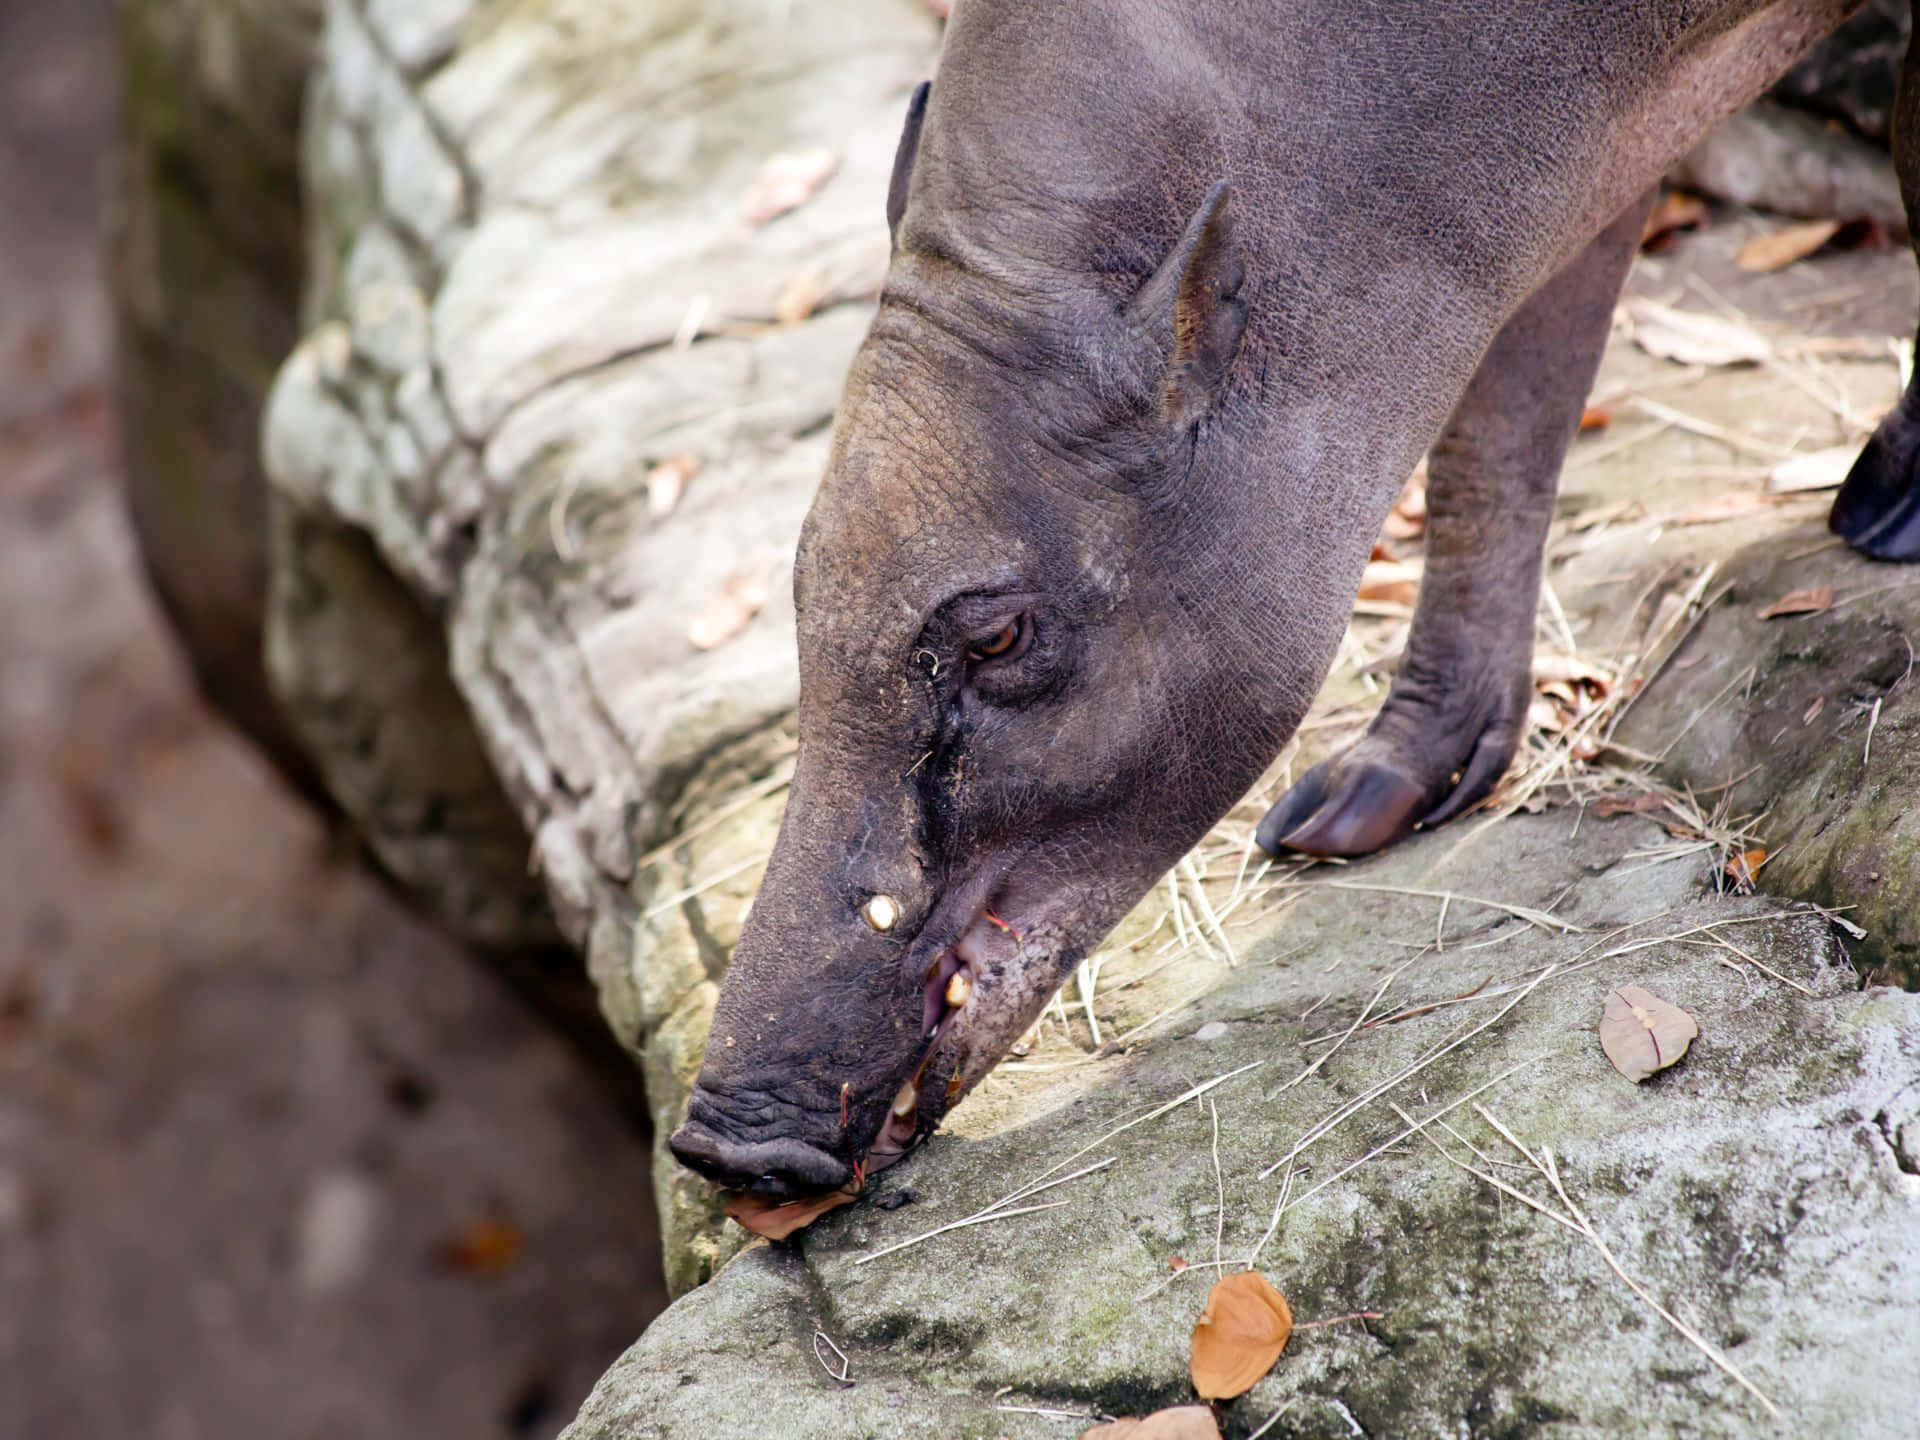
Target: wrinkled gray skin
column 1180, row 293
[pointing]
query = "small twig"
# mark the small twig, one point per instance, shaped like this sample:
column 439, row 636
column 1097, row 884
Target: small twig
column 979, row 1219
column 1343, row 1319
column 1873, row 721
column 1272, row 1419
column 1219, row 1185
column 846, row 1365
column 1532, row 916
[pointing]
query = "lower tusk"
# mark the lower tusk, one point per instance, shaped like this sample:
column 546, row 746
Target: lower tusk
column 959, row 989
column 907, row 1101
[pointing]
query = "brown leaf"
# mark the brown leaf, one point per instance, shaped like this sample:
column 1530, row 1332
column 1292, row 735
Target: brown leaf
column 787, row 181
column 730, row 612
column 1550, row 666
column 1629, row 804
column 488, row 1246
column 1689, row 337
column 1408, row 518
column 1642, row 1033
column 1595, row 417
column 800, row 296
column 1778, row 249
column 667, row 482
column 1675, row 211
column 1239, row 1335
column 1182, row 1422
column 1742, row 866
column 1392, row 582
column 775, row 1219
column 91, row 802
column 1816, row 600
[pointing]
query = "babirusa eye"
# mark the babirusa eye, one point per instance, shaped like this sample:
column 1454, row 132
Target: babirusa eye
column 1005, row 642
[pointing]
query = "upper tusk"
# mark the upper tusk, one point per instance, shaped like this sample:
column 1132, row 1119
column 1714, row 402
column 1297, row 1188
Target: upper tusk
column 882, row 912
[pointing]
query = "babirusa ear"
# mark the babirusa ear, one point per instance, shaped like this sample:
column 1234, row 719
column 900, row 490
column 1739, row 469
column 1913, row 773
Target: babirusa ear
column 903, row 159
column 1194, row 310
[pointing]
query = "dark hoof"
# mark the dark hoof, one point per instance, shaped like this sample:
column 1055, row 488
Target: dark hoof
column 1877, row 511
column 1349, row 805
column 1354, row 811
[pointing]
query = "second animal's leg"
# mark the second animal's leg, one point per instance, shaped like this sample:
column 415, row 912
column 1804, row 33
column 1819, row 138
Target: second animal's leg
column 1455, row 714
column 1878, row 510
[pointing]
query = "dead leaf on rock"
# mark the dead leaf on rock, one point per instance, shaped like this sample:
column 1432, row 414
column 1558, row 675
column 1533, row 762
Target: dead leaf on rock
column 1689, row 337
column 1743, row 865
column 1182, row 1422
column 1816, row 600
column 787, row 181
column 488, row 1246
column 1642, row 1033
column 1239, row 1335
column 777, row 1219
column 1390, row 582
column 1819, row 470
column 667, row 482
column 1676, row 210
column 1595, row 417
column 1408, row 518
column 800, row 296
column 1780, row 248
column 1777, row 249
column 731, row 611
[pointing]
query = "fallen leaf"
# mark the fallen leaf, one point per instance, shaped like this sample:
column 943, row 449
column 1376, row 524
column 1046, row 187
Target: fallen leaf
column 1629, row 804
column 1408, row 518
column 1743, row 865
column 1689, row 337
column 1642, row 1033
column 1734, row 505
column 1815, row 600
column 1595, row 417
column 667, row 482
column 776, row 1219
column 1176, row 1262
column 1550, row 666
column 91, row 801
column 739, row 600
column 1239, row 1335
column 1392, row 582
column 800, row 296
column 1182, row 1422
column 787, row 181
column 1777, row 249
column 1818, row 470
column 1676, row 210
column 488, row 1246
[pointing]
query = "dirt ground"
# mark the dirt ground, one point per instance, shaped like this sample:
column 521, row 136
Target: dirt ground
column 276, row 1159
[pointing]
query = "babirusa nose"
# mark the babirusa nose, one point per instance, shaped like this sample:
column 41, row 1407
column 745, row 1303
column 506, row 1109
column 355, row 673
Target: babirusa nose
column 782, row 1167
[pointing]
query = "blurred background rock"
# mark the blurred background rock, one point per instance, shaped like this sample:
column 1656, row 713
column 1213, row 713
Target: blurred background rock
column 276, row 1157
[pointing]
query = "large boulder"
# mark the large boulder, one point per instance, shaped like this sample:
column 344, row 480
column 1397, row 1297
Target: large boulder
column 1766, row 1191
column 547, row 270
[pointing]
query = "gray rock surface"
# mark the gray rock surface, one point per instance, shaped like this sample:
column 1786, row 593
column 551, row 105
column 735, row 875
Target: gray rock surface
column 1763, row 1190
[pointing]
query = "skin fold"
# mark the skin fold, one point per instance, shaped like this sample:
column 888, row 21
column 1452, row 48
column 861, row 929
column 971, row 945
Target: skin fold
column 1179, row 295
